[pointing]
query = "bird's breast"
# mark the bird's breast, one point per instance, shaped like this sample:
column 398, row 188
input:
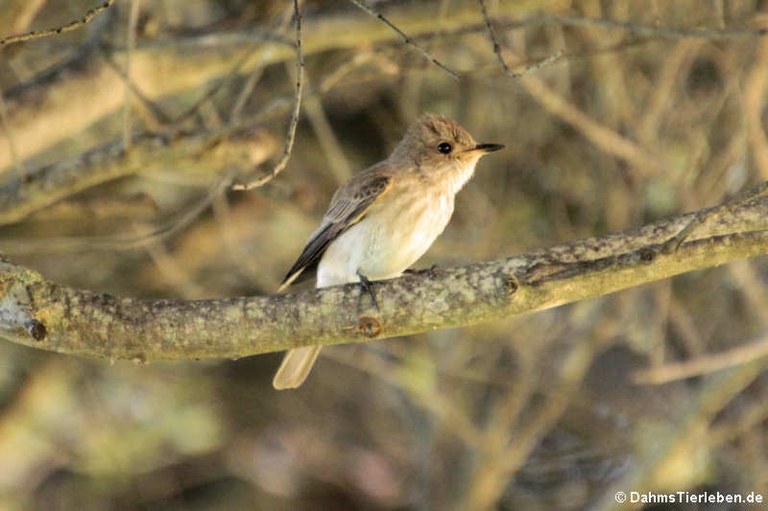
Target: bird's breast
column 393, row 235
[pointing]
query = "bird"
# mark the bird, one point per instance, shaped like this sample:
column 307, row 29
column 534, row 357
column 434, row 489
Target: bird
column 385, row 218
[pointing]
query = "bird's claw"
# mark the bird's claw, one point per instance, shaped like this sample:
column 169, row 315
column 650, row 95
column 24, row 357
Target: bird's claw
column 366, row 287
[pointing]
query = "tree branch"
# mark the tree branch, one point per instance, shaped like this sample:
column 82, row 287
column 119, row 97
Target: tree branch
column 42, row 314
column 195, row 152
column 62, row 29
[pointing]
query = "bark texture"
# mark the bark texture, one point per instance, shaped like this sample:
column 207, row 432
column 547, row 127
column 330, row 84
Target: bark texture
column 42, row 314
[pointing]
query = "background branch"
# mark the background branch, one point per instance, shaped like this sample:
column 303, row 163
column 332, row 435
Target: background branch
column 194, row 154
column 159, row 69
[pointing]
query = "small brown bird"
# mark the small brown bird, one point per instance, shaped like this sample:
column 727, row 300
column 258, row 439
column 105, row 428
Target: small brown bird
column 384, row 218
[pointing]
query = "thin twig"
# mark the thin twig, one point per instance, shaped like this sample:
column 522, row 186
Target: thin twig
column 603, row 137
column 497, row 50
column 245, row 93
column 215, row 89
column 406, row 38
column 294, row 122
column 254, row 76
column 326, row 137
column 69, row 27
column 158, row 115
column 548, row 61
column 130, row 44
column 673, row 243
column 649, row 30
column 492, row 34
column 704, row 365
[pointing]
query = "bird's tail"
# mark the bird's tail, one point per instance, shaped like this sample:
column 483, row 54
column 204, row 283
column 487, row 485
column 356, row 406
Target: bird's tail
column 295, row 367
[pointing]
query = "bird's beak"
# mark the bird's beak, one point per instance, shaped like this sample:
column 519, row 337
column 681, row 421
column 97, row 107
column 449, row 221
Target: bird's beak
column 488, row 148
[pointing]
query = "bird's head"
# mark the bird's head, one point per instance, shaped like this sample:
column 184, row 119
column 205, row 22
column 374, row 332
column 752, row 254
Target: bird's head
column 436, row 144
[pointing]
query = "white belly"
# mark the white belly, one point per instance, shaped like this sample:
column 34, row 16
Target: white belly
column 387, row 241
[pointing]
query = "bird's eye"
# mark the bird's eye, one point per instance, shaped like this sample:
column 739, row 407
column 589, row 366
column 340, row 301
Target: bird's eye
column 445, row 147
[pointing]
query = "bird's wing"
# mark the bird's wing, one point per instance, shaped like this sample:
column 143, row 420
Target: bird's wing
column 348, row 206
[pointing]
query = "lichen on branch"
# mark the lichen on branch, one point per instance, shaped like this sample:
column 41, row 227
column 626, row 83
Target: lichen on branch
column 45, row 315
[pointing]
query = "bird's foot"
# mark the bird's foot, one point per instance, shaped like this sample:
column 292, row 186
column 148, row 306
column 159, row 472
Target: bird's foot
column 366, row 287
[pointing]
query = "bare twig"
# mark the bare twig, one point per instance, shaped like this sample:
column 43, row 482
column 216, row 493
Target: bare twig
column 329, row 142
column 551, row 59
column 406, row 38
column 638, row 29
column 706, row 364
column 673, row 243
column 210, row 93
column 242, row 98
column 294, row 121
column 492, row 34
column 649, row 30
column 159, row 116
column 601, row 136
column 254, row 76
column 69, row 27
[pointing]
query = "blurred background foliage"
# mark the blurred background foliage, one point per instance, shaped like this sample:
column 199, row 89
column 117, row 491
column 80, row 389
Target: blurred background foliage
column 622, row 118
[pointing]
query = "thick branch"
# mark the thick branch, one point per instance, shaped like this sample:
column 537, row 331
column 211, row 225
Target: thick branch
column 150, row 154
column 39, row 313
